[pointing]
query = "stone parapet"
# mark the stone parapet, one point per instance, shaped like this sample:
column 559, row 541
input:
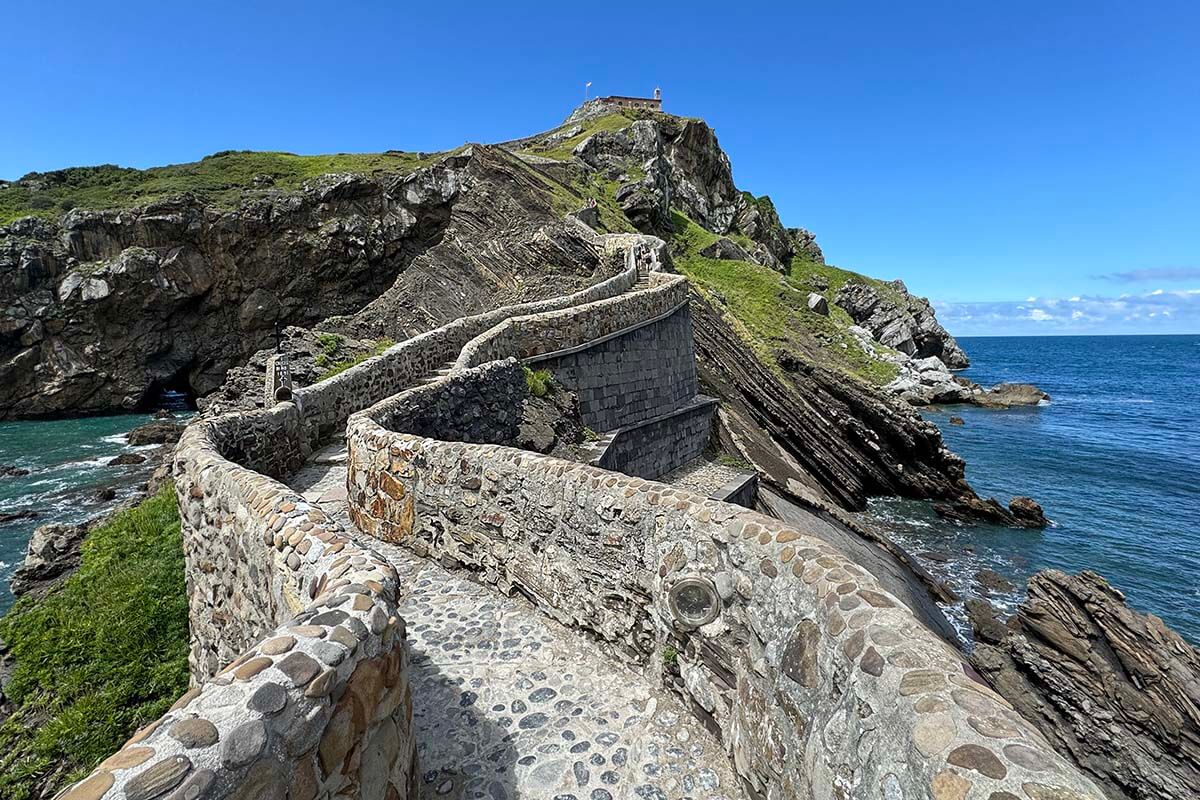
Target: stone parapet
column 654, row 447
column 819, row 682
column 313, row 698
column 541, row 334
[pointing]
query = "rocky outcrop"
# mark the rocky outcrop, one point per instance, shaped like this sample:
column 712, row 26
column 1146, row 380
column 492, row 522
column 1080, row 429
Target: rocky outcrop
column 52, row 553
column 819, row 435
column 102, row 309
column 1116, row 690
column 669, row 163
column 1007, row 395
column 901, row 321
column 928, row 381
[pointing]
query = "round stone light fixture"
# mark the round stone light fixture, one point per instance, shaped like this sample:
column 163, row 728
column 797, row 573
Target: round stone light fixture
column 694, row 601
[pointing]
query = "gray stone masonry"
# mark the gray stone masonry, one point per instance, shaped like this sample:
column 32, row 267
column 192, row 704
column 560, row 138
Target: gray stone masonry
column 644, row 373
column 656, row 446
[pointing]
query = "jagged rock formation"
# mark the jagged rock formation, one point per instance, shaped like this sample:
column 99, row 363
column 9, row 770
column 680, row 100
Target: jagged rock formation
column 901, row 321
column 104, row 308
column 1116, row 690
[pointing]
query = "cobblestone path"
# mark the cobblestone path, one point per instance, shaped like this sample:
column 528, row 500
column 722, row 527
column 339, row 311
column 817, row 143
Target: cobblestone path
column 509, row 704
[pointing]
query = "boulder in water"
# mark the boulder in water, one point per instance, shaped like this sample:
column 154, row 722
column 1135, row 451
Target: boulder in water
column 1028, row 512
column 126, row 460
column 12, row 471
column 156, row 432
column 1007, row 395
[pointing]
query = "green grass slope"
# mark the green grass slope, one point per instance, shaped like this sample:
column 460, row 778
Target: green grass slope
column 103, row 654
column 221, row 179
column 772, row 308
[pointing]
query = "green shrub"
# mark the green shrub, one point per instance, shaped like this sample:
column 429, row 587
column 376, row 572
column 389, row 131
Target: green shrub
column 337, row 367
column 104, row 653
column 538, row 381
column 669, row 655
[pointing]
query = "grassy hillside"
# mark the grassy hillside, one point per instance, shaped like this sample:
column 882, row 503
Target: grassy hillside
column 100, row 656
column 221, row 179
column 773, row 308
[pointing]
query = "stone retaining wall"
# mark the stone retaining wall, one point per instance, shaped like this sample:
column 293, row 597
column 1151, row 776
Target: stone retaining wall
column 325, row 406
column 819, row 683
column 639, row 374
column 654, row 447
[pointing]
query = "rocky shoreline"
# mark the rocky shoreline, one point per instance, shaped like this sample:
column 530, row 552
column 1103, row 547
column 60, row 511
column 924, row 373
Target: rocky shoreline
column 53, row 550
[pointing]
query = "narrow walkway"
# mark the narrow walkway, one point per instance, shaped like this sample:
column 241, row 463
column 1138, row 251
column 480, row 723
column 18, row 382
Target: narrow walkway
column 508, row 703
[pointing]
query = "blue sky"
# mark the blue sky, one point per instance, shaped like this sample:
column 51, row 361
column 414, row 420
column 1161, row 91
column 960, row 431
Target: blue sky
column 986, row 153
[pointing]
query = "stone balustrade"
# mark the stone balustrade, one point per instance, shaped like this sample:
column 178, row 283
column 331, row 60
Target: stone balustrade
column 819, row 682
column 582, row 324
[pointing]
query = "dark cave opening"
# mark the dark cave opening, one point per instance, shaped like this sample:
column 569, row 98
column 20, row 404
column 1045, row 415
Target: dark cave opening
column 171, row 393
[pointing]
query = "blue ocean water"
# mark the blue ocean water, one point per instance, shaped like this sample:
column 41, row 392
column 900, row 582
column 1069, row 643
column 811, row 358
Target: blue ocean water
column 67, row 462
column 1114, row 459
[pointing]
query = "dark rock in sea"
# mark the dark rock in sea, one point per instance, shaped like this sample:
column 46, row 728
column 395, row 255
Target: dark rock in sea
column 986, row 624
column 1116, row 690
column 127, row 459
column 935, row 556
column 972, row 508
column 1028, row 512
column 15, row 516
column 52, row 552
column 991, row 581
column 164, row 413
column 12, row 471
column 1007, row 395
column 957, row 421
column 105, row 494
column 156, row 432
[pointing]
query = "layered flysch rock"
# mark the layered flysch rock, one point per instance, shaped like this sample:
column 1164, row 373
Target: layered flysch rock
column 1116, row 690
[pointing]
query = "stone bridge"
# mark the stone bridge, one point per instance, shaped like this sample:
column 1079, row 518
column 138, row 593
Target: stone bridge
column 421, row 611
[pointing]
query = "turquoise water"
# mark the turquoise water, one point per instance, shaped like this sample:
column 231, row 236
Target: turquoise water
column 67, row 460
column 1114, row 459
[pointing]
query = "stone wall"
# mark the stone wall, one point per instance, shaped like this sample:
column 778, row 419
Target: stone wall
column 325, row 406
column 313, row 697
column 530, row 336
column 658, row 445
column 643, row 372
column 297, row 651
column 820, row 683
column 477, row 405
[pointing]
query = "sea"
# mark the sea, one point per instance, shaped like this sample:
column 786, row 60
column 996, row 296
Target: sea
column 68, row 466
column 1113, row 458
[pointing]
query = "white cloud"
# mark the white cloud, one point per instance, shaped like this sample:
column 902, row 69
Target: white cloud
column 1030, row 299
column 1157, row 292
column 1174, row 311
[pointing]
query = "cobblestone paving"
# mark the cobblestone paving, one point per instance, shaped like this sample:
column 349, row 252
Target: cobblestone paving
column 509, row 704
column 702, row 475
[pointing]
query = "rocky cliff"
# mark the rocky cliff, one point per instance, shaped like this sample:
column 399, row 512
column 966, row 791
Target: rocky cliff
column 1117, row 690
column 102, row 309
